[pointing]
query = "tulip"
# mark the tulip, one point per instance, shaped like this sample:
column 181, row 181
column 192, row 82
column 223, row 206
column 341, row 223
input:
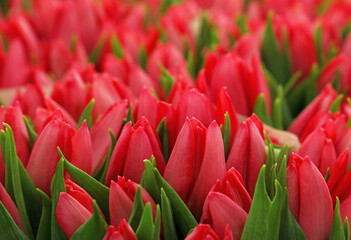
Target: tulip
column 228, row 197
column 135, row 144
column 75, row 145
column 123, row 232
column 346, row 48
column 248, row 152
column 322, row 102
column 10, row 206
column 308, row 194
column 74, row 208
column 196, row 162
column 202, row 231
column 122, row 198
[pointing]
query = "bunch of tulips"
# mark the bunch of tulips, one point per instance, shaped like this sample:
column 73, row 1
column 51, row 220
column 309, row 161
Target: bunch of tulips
column 175, row 119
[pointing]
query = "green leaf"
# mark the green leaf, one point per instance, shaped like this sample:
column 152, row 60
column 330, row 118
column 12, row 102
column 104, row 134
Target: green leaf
column 116, row 47
column 346, row 229
column 149, row 180
column 4, row 8
column 203, row 41
column 336, row 104
column 142, row 58
column 166, row 80
column 8, row 228
column 138, row 208
column 44, row 230
column 30, row 129
column 6, row 157
column 86, row 115
column 263, row 220
column 96, row 189
column 95, row 54
column 289, row 228
column 57, row 186
column 277, row 116
column 226, row 134
column 101, row 173
column 94, row 228
column 318, row 41
column 12, row 159
column 162, row 132
column 169, row 229
column 145, row 229
column 182, row 216
column 157, row 225
column 261, row 111
column 337, row 230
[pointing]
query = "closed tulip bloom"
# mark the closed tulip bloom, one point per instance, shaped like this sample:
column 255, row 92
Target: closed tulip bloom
column 248, row 152
column 122, row 198
column 308, row 194
column 75, row 145
column 123, row 232
column 10, row 206
column 196, row 163
column 135, row 144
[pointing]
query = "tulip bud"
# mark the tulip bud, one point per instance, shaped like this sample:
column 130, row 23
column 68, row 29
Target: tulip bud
column 123, row 232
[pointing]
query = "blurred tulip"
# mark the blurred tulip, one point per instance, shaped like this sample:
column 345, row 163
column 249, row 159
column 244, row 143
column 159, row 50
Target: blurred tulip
column 308, row 194
column 135, row 144
column 122, row 198
column 123, row 232
column 75, row 145
column 196, row 162
column 248, row 152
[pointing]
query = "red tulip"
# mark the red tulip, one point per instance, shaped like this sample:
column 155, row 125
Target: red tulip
column 122, row 198
column 308, row 194
column 74, row 208
column 123, row 232
column 196, row 163
column 10, row 206
column 202, row 231
column 134, row 144
column 75, row 145
column 248, row 152
column 100, row 138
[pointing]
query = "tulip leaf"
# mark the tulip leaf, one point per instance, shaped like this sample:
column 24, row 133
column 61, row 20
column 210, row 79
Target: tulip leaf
column 95, row 53
column 94, row 228
column 138, row 208
column 145, row 229
column 169, row 229
column 166, row 80
column 30, row 129
column 337, row 230
column 6, row 157
column 318, row 42
column 277, row 113
column 149, row 181
column 4, row 7
column 182, row 216
column 157, row 225
column 86, row 115
column 44, row 230
column 13, row 161
column 226, row 133
column 101, row 173
column 116, row 47
column 263, row 208
column 162, row 131
column 261, row 111
column 8, row 228
column 142, row 58
column 289, row 228
column 57, row 186
column 96, row 189
column 346, row 229
column 336, row 104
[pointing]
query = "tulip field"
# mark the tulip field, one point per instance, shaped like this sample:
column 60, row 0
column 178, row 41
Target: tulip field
column 175, row 119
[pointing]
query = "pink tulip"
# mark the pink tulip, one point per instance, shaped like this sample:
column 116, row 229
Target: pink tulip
column 248, row 152
column 10, row 206
column 322, row 102
column 123, row 232
column 308, row 194
column 135, row 144
column 122, row 198
column 75, row 145
column 100, row 137
column 202, row 231
column 231, row 194
column 74, row 208
column 199, row 152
